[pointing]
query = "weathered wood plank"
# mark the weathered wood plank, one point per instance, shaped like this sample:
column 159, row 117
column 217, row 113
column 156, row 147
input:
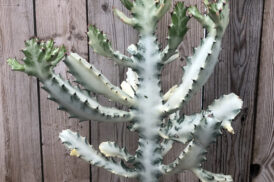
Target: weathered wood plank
column 263, row 154
column 65, row 22
column 20, row 158
column 121, row 36
column 237, row 72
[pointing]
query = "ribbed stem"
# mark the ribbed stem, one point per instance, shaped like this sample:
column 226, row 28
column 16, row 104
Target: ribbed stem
column 148, row 110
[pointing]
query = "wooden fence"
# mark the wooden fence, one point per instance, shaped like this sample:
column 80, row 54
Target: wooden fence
column 29, row 124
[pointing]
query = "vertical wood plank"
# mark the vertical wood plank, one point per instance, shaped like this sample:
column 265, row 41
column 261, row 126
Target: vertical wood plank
column 263, row 154
column 65, row 22
column 100, row 13
column 172, row 74
column 19, row 120
column 237, row 72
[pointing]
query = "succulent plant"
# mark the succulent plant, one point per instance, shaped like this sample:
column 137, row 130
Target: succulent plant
column 154, row 116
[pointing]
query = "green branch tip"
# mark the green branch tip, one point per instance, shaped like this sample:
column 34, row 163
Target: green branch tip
column 15, row 65
column 40, row 58
column 102, row 46
column 127, row 3
column 176, row 32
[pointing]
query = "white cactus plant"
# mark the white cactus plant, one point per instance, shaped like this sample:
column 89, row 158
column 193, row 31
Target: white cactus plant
column 155, row 116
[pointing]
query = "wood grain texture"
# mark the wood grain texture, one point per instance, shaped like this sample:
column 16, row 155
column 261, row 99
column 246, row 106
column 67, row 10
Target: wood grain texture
column 19, row 122
column 264, row 130
column 65, row 22
column 237, row 72
column 100, row 13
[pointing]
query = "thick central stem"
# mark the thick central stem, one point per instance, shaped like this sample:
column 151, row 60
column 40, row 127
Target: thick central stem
column 148, row 110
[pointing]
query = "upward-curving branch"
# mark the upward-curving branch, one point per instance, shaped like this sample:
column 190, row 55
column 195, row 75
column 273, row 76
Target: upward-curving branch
column 200, row 66
column 101, row 45
column 94, row 81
